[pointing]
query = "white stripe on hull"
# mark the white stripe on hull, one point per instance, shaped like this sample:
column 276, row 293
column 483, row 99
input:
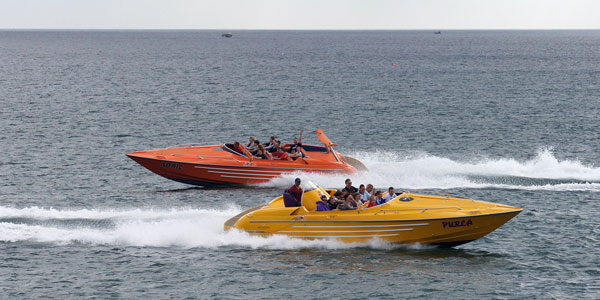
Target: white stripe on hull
column 345, row 231
column 244, row 177
column 245, row 173
column 359, row 226
column 344, row 236
column 236, row 170
column 282, row 169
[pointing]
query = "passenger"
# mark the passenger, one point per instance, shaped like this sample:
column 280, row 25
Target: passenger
column 372, row 201
column 271, row 144
column 349, row 204
column 254, row 149
column 322, row 204
column 251, row 141
column 295, row 191
column 260, row 152
column 334, row 201
column 370, row 189
column 379, row 199
column 276, row 145
column 391, row 194
column 342, row 195
column 349, row 188
column 357, row 200
column 280, row 155
column 238, row 148
column 364, row 195
column 295, row 154
column 297, row 144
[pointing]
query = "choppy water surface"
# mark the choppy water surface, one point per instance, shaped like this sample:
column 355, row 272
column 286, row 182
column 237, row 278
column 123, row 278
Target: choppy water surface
column 509, row 117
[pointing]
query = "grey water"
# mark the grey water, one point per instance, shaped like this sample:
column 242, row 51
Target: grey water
column 502, row 116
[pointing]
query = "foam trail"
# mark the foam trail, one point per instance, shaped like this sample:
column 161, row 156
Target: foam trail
column 186, row 228
column 423, row 171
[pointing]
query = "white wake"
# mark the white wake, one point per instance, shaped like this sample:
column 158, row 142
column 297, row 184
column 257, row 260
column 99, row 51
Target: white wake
column 185, row 228
column 424, row 171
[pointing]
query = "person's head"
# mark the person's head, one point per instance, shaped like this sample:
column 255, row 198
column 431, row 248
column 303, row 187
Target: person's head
column 391, row 190
column 373, row 199
column 259, row 151
column 361, row 188
column 261, row 147
column 348, row 182
column 256, row 142
column 370, row 188
column 236, row 144
column 378, row 194
column 273, row 138
column 251, row 139
column 324, row 198
column 297, row 182
column 338, row 194
column 349, row 198
column 295, row 140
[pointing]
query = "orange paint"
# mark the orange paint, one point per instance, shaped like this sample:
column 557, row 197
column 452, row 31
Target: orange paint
column 219, row 165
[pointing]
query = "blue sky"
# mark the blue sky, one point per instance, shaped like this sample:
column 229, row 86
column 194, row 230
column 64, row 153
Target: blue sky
column 300, row 14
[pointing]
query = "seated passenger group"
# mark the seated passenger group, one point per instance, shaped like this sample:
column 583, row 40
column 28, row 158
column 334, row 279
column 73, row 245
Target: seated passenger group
column 272, row 149
column 350, row 198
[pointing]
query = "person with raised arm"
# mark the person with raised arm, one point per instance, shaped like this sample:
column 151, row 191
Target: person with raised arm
column 297, row 144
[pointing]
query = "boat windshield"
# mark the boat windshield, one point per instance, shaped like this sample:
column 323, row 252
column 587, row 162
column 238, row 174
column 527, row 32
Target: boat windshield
column 308, row 186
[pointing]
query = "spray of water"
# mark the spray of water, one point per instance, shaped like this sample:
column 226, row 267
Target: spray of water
column 423, row 171
column 185, row 228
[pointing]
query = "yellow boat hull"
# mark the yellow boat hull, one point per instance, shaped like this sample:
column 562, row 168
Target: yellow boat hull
column 408, row 218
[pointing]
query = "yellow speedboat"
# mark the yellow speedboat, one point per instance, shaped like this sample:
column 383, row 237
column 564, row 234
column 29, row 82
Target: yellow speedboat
column 407, row 218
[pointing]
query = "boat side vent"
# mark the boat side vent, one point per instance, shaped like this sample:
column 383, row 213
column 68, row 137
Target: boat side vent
column 406, row 199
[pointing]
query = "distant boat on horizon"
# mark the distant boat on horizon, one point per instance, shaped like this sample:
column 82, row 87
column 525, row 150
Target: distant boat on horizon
column 227, row 34
column 437, row 32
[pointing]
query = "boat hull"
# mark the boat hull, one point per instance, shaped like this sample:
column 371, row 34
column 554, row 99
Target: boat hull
column 228, row 164
column 447, row 232
column 438, row 221
column 230, row 172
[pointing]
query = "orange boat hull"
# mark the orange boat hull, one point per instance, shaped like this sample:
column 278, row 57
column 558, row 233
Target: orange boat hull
column 217, row 165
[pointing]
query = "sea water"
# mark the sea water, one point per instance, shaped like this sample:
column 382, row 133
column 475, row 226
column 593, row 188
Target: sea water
column 502, row 116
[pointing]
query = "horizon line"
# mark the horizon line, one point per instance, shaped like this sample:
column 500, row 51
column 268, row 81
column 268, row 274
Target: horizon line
column 291, row 29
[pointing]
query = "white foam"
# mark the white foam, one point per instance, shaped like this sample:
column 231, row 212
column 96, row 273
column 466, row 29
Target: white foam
column 187, row 228
column 424, row 171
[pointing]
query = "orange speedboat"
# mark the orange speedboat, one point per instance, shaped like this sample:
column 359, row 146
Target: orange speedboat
column 221, row 165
